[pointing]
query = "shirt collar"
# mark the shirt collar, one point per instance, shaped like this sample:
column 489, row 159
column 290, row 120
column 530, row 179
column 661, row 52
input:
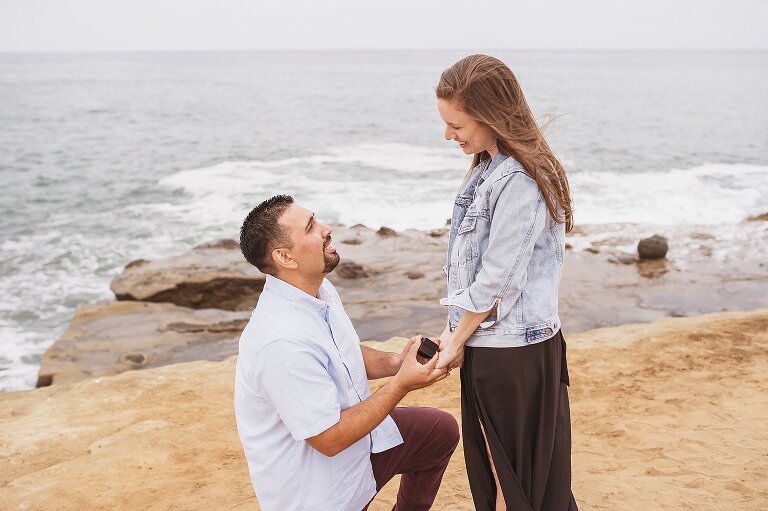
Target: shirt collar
column 296, row 295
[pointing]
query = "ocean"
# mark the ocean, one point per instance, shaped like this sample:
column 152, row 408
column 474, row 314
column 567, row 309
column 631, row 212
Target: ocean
column 108, row 158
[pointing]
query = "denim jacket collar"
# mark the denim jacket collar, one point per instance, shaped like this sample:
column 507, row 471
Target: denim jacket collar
column 479, row 174
column 491, row 166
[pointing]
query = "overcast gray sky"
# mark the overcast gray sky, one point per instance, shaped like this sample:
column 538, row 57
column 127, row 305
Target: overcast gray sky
column 126, row 25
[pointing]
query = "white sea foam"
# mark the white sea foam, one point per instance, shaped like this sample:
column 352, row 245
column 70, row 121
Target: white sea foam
column 19, row 377
column 710, row 194
column 18, row 367
column 373, row 184
column 385, row 187
column 55, row 272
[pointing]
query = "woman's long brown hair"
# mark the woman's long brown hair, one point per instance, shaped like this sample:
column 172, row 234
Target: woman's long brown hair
column 486, row 89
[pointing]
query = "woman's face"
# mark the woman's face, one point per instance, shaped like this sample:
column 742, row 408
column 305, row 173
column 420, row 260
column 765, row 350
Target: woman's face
column 472, row 135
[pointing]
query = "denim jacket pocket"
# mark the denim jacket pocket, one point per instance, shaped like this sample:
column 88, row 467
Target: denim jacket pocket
column 468, row 224
column 467, row 237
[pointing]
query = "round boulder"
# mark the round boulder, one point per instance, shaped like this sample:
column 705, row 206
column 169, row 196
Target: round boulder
column 654, row 247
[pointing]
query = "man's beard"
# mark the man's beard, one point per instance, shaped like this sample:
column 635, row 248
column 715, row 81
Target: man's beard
column 331, row 260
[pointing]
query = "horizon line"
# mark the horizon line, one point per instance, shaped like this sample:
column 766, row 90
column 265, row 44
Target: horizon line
column 243, row 50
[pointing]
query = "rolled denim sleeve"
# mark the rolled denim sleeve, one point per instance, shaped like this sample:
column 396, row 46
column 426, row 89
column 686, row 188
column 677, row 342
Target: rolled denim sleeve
column 518, row 215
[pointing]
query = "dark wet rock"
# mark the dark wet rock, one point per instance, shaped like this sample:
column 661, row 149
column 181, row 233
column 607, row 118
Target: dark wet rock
column 654, row 247
column 350, row 270
column 135, row 359
column 413, row 275
column 113, row 337
column 352, row 241
column 213, row 275
column 221, row 293
column 232, row 326
column 44, row 380
column 568, row 246
column 652, row 268
column 592, row 250
column 386, row 232
column 438, row 233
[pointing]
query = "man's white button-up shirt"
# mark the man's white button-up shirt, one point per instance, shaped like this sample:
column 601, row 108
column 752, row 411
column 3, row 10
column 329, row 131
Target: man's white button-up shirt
column 299, row 366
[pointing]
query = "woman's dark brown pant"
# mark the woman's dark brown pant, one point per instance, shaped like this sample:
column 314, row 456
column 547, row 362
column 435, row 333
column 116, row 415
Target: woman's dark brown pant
column 521, row 397
column 429, row 438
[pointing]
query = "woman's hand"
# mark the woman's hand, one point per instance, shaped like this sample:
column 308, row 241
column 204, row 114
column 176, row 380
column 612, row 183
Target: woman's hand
column 451, row 355
column 446, row 332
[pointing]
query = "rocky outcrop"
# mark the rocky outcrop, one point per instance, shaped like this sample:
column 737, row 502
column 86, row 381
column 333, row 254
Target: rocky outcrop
column 390, row 285
column 110, row 338
column 381, row 300
column 211, row 275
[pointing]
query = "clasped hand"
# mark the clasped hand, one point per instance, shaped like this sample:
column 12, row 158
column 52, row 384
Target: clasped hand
column 416, row 372
column 451, row 355
column 447, row 358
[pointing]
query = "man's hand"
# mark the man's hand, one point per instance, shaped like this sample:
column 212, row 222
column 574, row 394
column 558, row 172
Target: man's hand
column 413, row 340
column 403, row 354
column 415, row 375
column 360, row 419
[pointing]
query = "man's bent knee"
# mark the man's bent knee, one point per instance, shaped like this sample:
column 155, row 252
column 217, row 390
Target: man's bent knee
column 448, row 429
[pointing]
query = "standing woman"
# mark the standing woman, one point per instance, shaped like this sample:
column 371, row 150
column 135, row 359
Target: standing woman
column 505, row 257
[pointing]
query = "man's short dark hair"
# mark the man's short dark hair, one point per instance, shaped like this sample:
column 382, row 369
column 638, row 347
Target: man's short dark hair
column 261, row 232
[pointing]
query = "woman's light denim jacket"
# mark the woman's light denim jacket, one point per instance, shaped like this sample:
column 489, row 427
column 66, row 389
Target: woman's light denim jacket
column 505, row 255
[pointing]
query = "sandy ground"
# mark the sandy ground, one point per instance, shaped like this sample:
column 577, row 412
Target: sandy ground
column 667, row 415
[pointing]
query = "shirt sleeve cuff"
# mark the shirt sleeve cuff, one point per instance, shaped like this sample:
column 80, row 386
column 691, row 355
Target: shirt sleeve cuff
column 463, row 300
column 316, row 427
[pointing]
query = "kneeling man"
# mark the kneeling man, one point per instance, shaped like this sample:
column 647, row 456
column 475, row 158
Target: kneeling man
column 314, row 436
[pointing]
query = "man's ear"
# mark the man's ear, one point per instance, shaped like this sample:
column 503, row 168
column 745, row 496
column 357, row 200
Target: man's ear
column 283, row 259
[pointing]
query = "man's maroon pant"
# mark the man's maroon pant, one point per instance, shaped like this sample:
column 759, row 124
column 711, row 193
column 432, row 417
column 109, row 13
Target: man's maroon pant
column 429, row 438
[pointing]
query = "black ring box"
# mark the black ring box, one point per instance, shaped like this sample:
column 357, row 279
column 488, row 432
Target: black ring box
column 428, row 348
